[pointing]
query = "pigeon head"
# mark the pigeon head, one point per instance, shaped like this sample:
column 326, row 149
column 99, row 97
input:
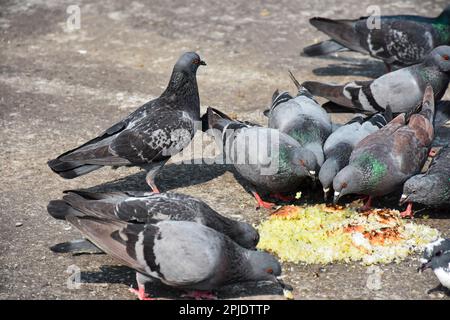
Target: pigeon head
column 245, row 235
column 189, row 62
column 417, row 189
column 439, row 258
column 441, row 57
column 445, row 15
column 348, row 180
column 304, row 162
column 328, row 171
column 264, row 266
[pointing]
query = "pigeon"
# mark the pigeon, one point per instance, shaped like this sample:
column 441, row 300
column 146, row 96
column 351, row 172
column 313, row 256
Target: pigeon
column 437, row 257
column 385, row 159
column 181, row 254
column 149, row 136
column 302, row 118
column 146, row 207
column 340, row 144
column 402, row 90
column 437, row 178
column 399, row 40
column 267, row 158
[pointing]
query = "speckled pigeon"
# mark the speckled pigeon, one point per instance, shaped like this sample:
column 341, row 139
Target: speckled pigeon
column 302, row 118
column 340, row 144
column 269, row 159
column 147, row 207
column 149, row 136
column 384, row 160
column 399, row 40
column 402, row 90
column 433, row 187
column 180, row 254
column 437, row 257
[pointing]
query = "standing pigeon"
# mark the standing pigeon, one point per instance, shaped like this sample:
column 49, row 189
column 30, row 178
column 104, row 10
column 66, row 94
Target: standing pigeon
column 399, row 40
column 302, row 118
column 431, row 188
column 180, row 254
column 437, row 257
column 402, row 90
column 149, row 136
column 146, row 207
column 384, row 160
column 341, row 142
column 267, row 158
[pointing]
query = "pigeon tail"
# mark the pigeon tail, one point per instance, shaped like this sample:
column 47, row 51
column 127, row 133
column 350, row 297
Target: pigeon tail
column 60, row 209
column 220, row 121
column 71, row 169
column 81, row 246
column 302, row 91
column 323, row 48
column 341, row 31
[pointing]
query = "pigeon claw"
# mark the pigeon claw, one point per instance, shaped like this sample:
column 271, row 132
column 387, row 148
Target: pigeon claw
column 262, row 203
column 200, row 295
column 408, row 213
column 282, row 197
column 141, row 294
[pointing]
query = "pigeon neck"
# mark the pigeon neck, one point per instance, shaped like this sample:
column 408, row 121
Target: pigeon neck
column 316, row 148
column 183, row 84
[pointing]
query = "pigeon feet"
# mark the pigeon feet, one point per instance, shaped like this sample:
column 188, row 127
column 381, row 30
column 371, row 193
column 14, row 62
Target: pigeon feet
column 141, row 294
column 432, row 152
column 199, row 295
column 152, row 185
column 261, row 202
column 408, row 213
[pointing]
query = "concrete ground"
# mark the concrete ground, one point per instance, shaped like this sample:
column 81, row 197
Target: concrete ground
column 60, row 88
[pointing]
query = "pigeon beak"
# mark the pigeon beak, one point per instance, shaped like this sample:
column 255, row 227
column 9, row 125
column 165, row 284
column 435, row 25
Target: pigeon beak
column 202, row 63
column 403, row 199
column 325, row 193
column 336, row 197
column 424, row 267
column 312, row 173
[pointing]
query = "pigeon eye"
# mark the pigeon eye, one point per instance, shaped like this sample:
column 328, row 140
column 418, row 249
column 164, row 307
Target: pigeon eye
column 270, row 270
column 196, row 61
column 445, row 57
column 344, row 185
column 439, row 253
column 302, row 162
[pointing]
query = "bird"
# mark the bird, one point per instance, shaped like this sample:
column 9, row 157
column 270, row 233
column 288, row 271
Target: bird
column 437, row 257
column 148, row 207
column 402, row 89
column 180, row 254
column 302, row 118
column 265, row 157
column 385, row 159
column 149, row 136
column 400, row 40
column 417, row 188
column 339, row 145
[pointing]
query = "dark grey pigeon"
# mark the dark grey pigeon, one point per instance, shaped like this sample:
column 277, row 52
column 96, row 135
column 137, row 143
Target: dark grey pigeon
column 399, row 40
column 437, row 257
column 384, row 160
column 339, row 145
column 146, row 207
column 269, row 159
column 402, row 90
column 433, row 187
column 180, row 254
column 442, row 125
column 302, row 118
column 149, row 136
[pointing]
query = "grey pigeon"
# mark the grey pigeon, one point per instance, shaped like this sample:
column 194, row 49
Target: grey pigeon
column 437, row 257
column 146, row 207
column 269, row 159
column 149, row 136
column 433, row 187
column 302, row 118
column 399, row 40
column 402, row 90
column 384, row 160
column 180, row 254
column 442, row 125
column 339, row 145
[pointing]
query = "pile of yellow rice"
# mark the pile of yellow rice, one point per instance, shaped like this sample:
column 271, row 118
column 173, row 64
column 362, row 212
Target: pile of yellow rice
column 324, row 234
